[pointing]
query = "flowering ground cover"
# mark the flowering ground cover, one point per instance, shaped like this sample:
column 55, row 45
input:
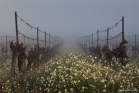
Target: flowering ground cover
column 72, row 72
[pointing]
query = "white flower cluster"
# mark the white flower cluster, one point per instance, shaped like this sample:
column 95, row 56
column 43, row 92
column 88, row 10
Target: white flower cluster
column 71, row 73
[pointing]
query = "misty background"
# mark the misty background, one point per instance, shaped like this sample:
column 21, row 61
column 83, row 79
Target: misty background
column 69, row 18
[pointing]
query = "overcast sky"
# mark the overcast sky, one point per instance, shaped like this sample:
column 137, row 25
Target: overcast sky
column 69, row 17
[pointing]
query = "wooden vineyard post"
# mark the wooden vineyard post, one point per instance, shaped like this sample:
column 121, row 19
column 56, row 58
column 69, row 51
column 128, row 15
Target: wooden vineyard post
column 37, row 37
column 33, row 41
column 45, row 39
column 135, row 47
column 138, row 44
column 52, row 41
column 50, row 45
column 6, row 47
column 122, row 37
column 107, row 37
column 86, row 44
column 49, row 40
column 123, row 28
column 16, row 27
column 97, row 44
column 92, row 40
column 37, row 45
column 89, row 41
column 1, row 40
column 110, row 44
column 97, row 38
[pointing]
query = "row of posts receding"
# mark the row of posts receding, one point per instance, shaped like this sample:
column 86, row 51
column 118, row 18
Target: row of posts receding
column 54, row 38
column 85, row 41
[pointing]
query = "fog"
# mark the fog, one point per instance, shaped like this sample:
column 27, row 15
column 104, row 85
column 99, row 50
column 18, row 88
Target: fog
column 69, row 18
